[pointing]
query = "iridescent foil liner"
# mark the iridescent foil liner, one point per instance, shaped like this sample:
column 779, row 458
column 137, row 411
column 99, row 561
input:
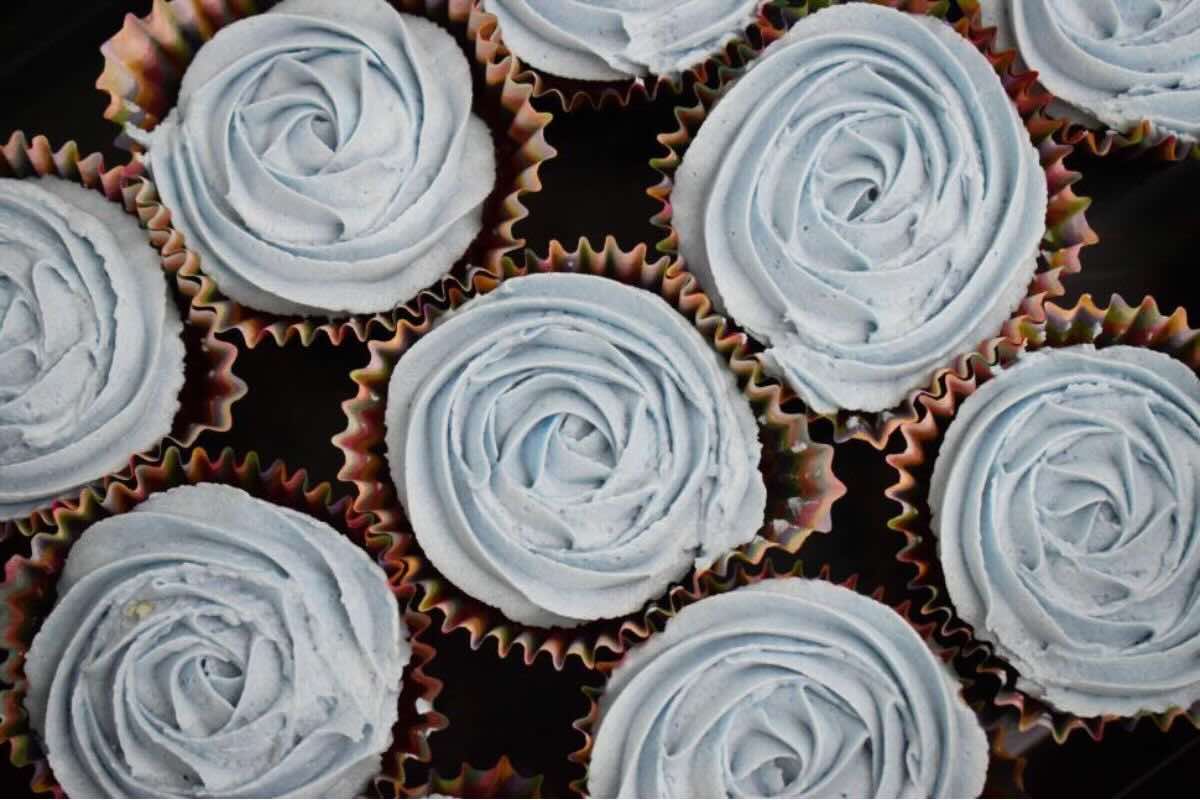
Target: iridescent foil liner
column 801, row 486
column 499, row 780
column 1134, row 142
column 210, row 386
column 1067, row 231
column 1005, row 773
column 992, row 681
column 28, row 592
column 144, row 66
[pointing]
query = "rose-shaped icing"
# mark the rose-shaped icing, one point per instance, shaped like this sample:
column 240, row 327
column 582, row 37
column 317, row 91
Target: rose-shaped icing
column 1114, row 62
column 211, row 644
column 786, row 688
column 91, row 354
column 1065, row 503
column 567, row 446
column 866, row 200
column 323, row 158
column 606, row 40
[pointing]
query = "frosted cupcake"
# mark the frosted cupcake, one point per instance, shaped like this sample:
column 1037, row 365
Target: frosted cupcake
column 323, row 158
column 785, row 688
column 91, row 354
column 616, row 40
column 1064, row 502
column 566, row 446
column 866, row 200
column 1114, row 63
column 211, row 644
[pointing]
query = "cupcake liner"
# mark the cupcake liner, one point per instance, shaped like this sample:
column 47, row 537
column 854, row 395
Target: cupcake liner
column 29, row 588
column 210, row 387
column 992, row 682
column 144, row 66
column 801, row 486
column 499, row 780
column 1067, row 231
column 1136, row 142
column 1004, row 771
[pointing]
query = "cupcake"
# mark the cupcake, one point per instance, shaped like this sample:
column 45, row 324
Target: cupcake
column 1063, row 500
column 1116, row 65
column 603, row 40
column 907, row 228
column 567, row 446
column 91, row 354
column 785, row 688
column 323, row 158
column 208, row 643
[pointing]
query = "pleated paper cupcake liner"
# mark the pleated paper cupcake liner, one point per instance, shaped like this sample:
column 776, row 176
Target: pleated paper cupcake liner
column 144, row 66
column 210, row 385
column 1137, row 141
column 28, row 592
column 1067, row 230
column 500, row 780
column 1005, row 772
column 801, row 486
column 992, row 682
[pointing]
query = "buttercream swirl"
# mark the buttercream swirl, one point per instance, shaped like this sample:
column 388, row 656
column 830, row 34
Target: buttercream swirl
column 323, row 158
column 91, row 355
column 1065, row 503
column 566, row 446
column 607, row 40
column 1111, row 62
column 786, row 688
column 866, row 200
column 208, row 644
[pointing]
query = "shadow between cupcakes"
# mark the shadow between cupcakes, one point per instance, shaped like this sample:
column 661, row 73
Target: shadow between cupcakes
column 1135, row 142
column 1005, row 772
column 801, row 486
column 144, row 66
column 991, row 681
column 1067, row 231
column 28, row 592
column 210, row 385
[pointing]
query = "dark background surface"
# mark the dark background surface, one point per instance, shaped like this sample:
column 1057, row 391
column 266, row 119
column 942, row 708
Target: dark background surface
column 1147, row 215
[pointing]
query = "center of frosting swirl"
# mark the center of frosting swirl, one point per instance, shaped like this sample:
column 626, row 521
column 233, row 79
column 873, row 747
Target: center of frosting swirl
column 788, row 688
column 566, row 446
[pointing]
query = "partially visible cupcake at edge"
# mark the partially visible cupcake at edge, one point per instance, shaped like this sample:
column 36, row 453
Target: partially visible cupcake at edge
column 866, row 201
column 617, row 40
column 91, row 348
column 567, row 446
column 1065, row 505
column 210, row 644
column 323, row 158
column 785, row 688
column 1111, row 63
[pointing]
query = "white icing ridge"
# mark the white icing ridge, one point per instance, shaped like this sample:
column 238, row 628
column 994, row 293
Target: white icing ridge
column 1111, row 63
column 866, row 200
column 209, row 644
column 91, row 348
column 786, row 688
column 1065, row 503
column 566, row 446
column 323, row 158
column 611, row 40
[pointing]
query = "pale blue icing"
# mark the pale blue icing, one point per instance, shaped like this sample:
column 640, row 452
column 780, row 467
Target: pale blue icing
column 566, row 446
column 209, row 644
column 91, row 354
column 1065, row 503
column 606, row 40
column 1111, row 62
column 323, row 158
column 786, row 688
column 866, row 200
